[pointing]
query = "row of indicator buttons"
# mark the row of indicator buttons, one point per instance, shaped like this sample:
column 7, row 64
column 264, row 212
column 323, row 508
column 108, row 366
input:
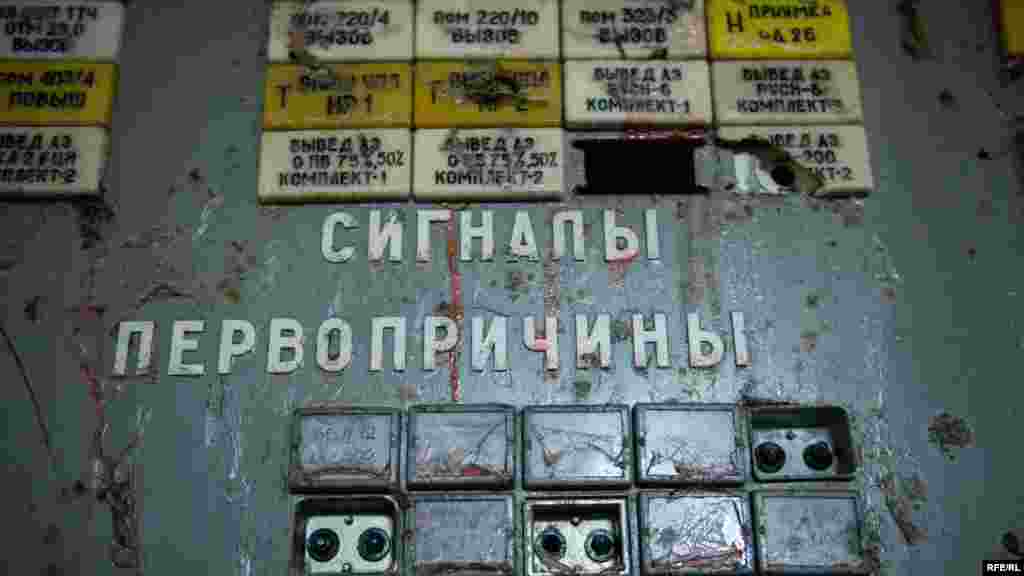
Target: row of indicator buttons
column 602, row 93
column 58, row 76
column 346, row 30
column 494, row 163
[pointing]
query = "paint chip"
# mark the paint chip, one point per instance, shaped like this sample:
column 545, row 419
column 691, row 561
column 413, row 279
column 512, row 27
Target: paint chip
column 950, row 432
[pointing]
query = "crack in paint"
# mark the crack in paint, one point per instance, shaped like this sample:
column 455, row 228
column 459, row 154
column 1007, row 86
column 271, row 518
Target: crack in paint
column 454, row 312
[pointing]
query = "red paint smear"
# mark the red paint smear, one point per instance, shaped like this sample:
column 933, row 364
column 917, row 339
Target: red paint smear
column 541, row 344
column 94, row 387
column 456, row 307
column 472, row 471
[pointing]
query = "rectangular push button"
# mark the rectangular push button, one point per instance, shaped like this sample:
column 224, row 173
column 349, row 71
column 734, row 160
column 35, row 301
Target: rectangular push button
column 57, row 161
column 349, row 30
column 696, row 533
column 1012, row 13
column 622, row 92
column 460, row 447
column 61, row 93
column 344, row 449
column 459, row 29
column 498, row 163
column 690, row 444
column 462, row 535
column 339, row 165
column 781, row 92
column 792, row 29
column 370, row 95
column 573, row 446
column 496, row 94
column 801, row 532
column 584, row 536
column 640, row 29
column 837, row 154
column 60, row 30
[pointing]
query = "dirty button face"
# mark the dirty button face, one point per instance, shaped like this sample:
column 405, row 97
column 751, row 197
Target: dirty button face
column 61, row 93
column 453, row 448
column 499, row 163
column 786, row 92
column 779, row 29
column 343, row 447
column 689, row 445
column 461, row 29
column 507, row 93
column 348, row 30
column 61, row 30
column 616, row 92
column 696, row 533
column 639, row 28
column 837, row 154
column 816, row 531
column 370, row 95
column 455, row 533
column 52, row 161
column 336, row 165
column 585, row 446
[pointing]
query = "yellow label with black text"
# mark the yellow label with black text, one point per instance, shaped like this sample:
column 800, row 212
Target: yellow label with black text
column 56, row 93
column 1013, row 27
column 499, row 94
column 779, row 29
column 369, row 95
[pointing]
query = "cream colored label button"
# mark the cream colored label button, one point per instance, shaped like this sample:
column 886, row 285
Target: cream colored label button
column 786, row 92
column 616, row 92
column 335, row 165
column 343, row 30
column 49, row 30
column 487, row 29
column 501, row 163
column 633, row 29
column 55, row 161
column 837, row 154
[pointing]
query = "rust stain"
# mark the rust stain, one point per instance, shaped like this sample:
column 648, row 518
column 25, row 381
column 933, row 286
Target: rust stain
column 455, row 310
column 617, row 269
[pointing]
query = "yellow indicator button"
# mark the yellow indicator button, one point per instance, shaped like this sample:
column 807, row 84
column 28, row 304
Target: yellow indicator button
column 56, row 93
column 1013, row 26
column 369, row 95
column 494, row 95
column 778, row 29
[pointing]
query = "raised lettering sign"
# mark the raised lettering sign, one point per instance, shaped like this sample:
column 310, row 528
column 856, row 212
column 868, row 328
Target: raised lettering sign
column 335, row 165
column 640, row 29
column 785, row 92
column 616, row 92
column 489, row 163
column 779, row 29
column 371, row 95
column 343, row 30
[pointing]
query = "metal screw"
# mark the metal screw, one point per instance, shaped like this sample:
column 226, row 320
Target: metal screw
column 349, row 520
column 575, row 521
column 346, row 567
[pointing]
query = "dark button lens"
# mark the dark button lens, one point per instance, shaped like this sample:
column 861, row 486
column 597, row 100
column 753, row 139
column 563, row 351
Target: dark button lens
column 551, row 542
column 783, row 175
column 818, row 456
column 323, row 544
column 600, row 546
column 770, row 457
column 374, row 545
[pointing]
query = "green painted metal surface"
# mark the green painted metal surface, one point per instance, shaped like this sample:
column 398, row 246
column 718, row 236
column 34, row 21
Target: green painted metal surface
column 901, row 307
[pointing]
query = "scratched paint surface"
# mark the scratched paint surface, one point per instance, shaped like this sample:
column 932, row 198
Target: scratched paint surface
column 900, row 308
